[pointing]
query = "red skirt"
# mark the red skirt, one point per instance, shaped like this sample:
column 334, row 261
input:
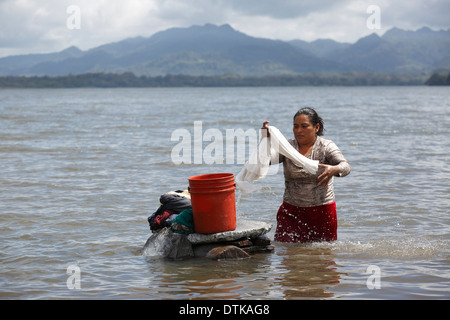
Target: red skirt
column 306, row 224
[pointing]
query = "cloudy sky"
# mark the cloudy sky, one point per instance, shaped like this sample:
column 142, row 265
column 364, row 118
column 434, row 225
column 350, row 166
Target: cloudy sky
column 28, row 26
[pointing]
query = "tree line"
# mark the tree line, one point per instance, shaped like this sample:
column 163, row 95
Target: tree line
column 129, row 80
column 438, row 79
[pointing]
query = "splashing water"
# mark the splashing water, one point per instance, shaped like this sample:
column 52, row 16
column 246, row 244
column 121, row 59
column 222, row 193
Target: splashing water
column 396, row 248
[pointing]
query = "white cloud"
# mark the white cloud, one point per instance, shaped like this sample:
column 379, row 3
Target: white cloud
column 40, row 26
column 416, row 13
column 287, row 9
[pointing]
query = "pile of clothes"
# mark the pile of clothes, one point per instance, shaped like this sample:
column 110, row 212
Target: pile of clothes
column 175, row 212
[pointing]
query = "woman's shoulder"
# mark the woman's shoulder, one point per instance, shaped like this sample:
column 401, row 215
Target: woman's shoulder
column 321, row 141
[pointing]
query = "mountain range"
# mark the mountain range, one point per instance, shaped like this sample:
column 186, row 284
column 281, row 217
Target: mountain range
column 217, row 50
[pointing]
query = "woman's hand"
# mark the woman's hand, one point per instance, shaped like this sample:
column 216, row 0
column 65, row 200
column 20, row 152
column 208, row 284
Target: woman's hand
column 327, row 174
column 265, row 127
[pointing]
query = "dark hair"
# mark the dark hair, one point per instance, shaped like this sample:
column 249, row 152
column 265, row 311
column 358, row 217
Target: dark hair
column 313, row 117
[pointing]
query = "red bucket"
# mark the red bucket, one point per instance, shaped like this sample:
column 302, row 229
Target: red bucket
column 213, row 202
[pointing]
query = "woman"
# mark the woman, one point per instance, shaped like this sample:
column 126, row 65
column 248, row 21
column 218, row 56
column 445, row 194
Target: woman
column 308, row 212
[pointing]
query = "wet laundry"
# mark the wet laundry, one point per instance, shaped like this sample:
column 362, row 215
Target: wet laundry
column 268, row 152
column 163, row 220
column 172, row 204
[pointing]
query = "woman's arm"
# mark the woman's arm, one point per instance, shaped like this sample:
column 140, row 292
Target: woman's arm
column 338, row 165
column 328, row 172
column 265, row 133
column 264, row 127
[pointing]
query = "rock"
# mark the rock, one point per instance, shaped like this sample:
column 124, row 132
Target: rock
column 156, row 244
column 259, row 249
column 241, row 243
column 248, row 238
column 244, row 229
column 181, row 247
column 202, row 250
column 262, row 240
column 227, row 252
column 168, row 244
column 247, row 245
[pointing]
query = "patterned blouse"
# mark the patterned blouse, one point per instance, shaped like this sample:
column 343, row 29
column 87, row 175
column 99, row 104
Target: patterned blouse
column 301, row 189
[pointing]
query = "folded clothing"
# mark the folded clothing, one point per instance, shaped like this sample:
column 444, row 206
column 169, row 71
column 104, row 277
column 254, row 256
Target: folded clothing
column 171, row 203
column 183, row 223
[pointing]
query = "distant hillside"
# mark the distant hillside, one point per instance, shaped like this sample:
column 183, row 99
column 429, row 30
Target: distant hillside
column 437, row 79
column 399, row 51
column 217, row 50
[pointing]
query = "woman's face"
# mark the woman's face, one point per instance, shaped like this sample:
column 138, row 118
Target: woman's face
column 304, row 130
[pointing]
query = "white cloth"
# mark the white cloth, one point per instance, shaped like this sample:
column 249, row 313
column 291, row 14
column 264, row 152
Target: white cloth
column 268, row 151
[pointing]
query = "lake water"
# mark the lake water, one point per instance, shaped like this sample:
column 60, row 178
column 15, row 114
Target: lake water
column 82, row 169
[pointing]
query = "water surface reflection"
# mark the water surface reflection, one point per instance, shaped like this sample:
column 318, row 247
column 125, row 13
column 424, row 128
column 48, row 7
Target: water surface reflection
column 297, row 271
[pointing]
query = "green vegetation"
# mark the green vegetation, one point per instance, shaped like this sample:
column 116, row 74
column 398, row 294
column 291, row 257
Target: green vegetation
column 129, row 80
column 437, row 79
